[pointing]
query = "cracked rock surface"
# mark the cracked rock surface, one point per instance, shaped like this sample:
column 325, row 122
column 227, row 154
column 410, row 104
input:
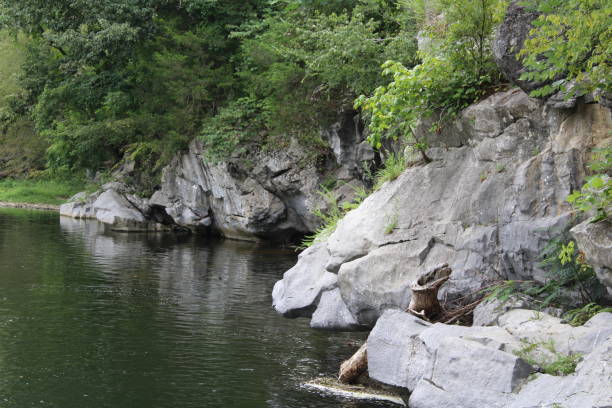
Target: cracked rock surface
column 474, row 367
column 493, row 196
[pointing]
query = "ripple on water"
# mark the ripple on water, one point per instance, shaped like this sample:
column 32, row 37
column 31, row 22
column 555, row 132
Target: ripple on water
column 94, row 319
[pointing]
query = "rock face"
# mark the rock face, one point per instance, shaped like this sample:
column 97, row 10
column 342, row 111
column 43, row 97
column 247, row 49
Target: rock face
column 270, row 197
column 493, row 196
column 509, row 40
column 595, row 240
column 464, row 367
column 114, row 207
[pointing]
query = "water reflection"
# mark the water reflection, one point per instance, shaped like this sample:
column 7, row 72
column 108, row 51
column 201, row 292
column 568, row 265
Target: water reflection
column 90, row 318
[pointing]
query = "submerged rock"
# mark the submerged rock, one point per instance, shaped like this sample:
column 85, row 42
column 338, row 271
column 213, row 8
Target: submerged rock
column 486, row 206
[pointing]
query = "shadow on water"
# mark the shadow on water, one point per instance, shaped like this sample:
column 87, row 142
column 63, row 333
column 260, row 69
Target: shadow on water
column 90, row 318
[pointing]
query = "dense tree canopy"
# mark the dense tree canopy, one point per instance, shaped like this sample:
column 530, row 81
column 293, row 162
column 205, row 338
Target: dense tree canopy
column 107, row 79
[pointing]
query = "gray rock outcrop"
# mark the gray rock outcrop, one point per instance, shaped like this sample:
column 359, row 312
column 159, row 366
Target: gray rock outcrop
column 493, row 196
column 595, row 240
column 508, row 42
column 270, row 196
column 116, row 208
column 464, row 367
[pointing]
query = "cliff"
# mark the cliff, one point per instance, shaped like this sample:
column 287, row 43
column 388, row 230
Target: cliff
column 492, row 198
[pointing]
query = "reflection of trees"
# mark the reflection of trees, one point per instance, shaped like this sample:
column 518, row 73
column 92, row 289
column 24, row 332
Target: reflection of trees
column 147, row 320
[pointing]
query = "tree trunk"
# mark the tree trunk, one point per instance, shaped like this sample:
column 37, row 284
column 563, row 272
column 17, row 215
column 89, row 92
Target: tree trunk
column 424, row 302
column 352, row 368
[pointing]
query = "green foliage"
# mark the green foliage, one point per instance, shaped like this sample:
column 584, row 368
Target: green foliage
column 331, row 215
column 394, row 166
column 456, row 70
column 568, row 277
column 307, row 66
column 567, row 270
column 231, row 131
column 39, row 191
column 596, row 194
column 581, row 315
column 571, row 40
column 547, row 358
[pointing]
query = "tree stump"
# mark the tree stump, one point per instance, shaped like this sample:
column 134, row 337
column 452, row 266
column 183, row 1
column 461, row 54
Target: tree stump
column 352, row 368
column 424, row 302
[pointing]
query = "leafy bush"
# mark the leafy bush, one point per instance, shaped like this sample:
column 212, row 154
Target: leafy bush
column 567, row 271
column 307, row 66
column 567, row 275
column 455, row 70
column 237, row 124
column 570, row 41
column 596, row 194
column 581, row 315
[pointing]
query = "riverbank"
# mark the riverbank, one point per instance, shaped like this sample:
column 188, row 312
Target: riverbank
column 30, row 206
column 45, row 194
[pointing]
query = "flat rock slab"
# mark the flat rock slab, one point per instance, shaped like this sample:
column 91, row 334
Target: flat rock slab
column 358, row 392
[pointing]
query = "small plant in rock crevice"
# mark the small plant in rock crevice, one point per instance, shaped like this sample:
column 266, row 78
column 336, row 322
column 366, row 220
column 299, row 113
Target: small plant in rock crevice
column 393, row 168
column 596, row 194
column 331, row 215
column 545, row 356
column 568, row 279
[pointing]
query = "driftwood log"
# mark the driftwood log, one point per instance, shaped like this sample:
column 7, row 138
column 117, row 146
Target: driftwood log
column 352, row 368
column 424, row 304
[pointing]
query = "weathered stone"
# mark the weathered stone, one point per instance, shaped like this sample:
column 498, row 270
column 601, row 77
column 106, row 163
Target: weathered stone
column 535, row 327
column 460, row 362
column 298, row 293
column 509, row 40
column 595, row 240
column 396, row 356
column 488, row 312
column 589, row 387
column 486, row 207
column 492, row 337
column 428, row 395
column 332, row 313
column 380, row 280
column 115, row 210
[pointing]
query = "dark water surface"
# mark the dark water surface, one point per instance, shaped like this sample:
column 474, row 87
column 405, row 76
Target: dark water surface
column 94, row 319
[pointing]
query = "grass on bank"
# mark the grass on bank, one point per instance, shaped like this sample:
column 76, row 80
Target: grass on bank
column 38, row 191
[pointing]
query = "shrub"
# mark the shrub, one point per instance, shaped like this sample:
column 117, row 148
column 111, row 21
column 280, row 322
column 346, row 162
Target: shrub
column 457, row 70
column 547, row 358
column 596, row 194
column 581, row 315
column 570, row 41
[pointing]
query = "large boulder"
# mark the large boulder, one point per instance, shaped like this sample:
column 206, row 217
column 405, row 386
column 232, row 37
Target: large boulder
column 396, row 355
column 487, row 205
column 301, row 289
column 472, row 367
column 116, row 208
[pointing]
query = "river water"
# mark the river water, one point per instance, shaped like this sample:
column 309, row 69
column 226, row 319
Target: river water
column 94, row 319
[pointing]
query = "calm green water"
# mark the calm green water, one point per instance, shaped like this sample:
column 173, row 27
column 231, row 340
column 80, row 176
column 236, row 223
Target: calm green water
column 91, row 319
